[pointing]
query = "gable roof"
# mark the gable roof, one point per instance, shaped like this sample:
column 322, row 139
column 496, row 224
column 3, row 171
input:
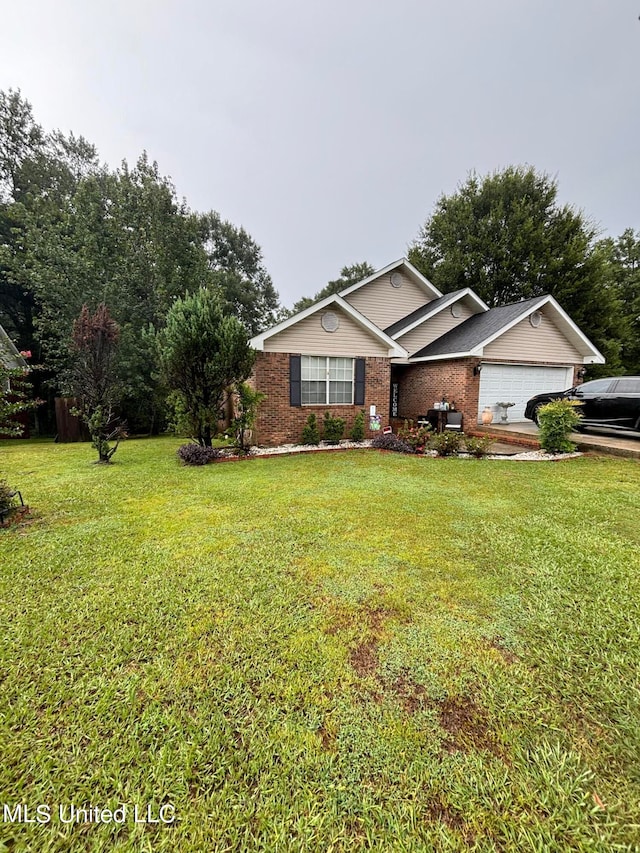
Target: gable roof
column 420, row 315
column 430, row 289
column 395, row 349
column 470, row 337
column 9, row 355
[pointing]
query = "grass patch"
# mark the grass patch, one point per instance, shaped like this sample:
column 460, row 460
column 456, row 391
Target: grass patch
column 353, row 651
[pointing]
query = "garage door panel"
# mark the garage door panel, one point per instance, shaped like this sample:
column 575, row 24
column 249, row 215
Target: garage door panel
column 517, row 383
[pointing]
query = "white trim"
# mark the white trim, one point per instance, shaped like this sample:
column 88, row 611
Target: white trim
column 426, row 285
column 446, row 356
column 527, row 363
column 396, row 350
column 449, row 302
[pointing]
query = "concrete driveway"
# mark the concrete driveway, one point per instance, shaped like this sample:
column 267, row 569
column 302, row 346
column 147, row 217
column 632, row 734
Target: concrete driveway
column 596, row 440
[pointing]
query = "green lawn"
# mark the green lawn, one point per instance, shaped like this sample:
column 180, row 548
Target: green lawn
column 329, row 652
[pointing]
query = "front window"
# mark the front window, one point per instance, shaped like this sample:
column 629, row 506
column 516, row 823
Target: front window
column 326, row 380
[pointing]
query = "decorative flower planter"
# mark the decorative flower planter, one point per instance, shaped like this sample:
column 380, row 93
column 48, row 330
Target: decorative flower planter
column 487, row 416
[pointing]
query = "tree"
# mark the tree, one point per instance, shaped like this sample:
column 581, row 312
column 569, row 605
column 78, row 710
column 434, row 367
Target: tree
column 204, row 354
column 73, row 231
column 34, row 163
column 622, row 265
column 20, row 139
column 93, row 378
column 38, row 172
column 122, row 239
column 506, row 236
column 348, row 275
column 238, row 272
column 247, row 400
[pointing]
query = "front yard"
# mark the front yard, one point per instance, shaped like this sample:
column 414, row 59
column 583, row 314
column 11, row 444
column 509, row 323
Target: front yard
column 352, row 651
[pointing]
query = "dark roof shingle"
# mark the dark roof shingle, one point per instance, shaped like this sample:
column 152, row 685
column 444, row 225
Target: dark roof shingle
column 419, row 312
column 476, row 329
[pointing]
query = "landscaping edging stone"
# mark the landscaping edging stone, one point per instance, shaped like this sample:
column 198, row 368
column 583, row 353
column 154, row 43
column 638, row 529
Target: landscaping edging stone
column 536, row 455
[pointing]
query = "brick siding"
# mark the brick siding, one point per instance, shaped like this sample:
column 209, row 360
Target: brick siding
column 422, row 385
column 280, row 423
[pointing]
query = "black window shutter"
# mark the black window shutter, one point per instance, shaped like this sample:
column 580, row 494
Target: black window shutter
column 358, row 398
column 295, row 396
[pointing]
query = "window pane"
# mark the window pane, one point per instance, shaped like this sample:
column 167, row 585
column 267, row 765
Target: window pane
column 313, row 392
column 341, row 369
column 313, row 368
column 341, row 392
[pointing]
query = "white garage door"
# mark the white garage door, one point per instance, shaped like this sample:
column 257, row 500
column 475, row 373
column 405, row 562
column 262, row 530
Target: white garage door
column 517, row 383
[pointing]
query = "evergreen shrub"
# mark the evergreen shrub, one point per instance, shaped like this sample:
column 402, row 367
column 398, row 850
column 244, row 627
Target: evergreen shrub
column 333, row 428
column 556, row 421
column 357, row 431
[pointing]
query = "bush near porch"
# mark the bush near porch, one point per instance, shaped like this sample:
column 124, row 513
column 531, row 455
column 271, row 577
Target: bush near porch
column 349, row 652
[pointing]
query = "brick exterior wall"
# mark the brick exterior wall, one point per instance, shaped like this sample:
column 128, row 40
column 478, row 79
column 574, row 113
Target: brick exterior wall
column 422, row 385
column 280, row 423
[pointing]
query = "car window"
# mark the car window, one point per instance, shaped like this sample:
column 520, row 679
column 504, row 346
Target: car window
column 628, row 386
column 596, row 386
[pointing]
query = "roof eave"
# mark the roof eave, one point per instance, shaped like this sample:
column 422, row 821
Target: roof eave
column 475, row 353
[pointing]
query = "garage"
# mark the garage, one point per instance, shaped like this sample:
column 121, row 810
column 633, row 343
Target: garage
column 517, row 383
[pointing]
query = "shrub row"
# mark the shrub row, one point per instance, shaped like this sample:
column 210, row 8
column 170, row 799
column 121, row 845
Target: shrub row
column 447, row 443
column 332, row 428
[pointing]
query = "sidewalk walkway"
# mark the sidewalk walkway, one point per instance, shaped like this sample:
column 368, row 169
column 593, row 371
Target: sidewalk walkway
column 595, row 441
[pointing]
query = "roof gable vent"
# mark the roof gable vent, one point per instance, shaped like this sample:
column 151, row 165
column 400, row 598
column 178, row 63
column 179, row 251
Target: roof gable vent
column 330, row 321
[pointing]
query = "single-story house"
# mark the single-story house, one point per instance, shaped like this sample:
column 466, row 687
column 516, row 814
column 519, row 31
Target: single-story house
column 394, row 345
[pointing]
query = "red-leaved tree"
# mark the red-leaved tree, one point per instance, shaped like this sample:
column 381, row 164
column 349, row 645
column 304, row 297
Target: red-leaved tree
column 94, row 380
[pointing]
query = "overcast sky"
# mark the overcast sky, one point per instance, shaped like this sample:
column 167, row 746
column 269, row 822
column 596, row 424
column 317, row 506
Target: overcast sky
column 329, row 129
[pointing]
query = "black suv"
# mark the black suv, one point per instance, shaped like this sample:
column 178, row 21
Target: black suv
column 613, row 402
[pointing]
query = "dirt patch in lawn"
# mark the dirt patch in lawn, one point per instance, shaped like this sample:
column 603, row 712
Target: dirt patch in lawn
column 364, row 658
column 451, row 818
column 371, row 621
column 466, row 724
column 373, row 617
column 411, row 695
column 507, row 655
column 327, row 738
